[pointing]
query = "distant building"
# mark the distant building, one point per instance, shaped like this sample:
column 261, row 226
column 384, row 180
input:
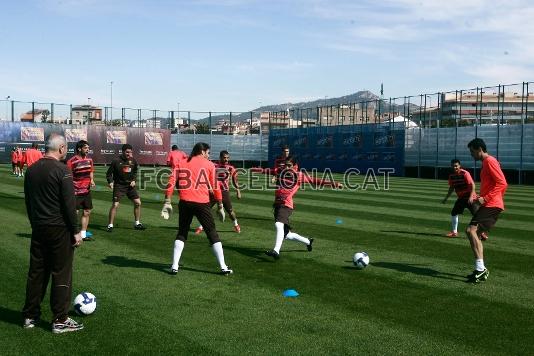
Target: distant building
column 469, row 107
column 37, row 115
column 86, row 114
column 347, row 114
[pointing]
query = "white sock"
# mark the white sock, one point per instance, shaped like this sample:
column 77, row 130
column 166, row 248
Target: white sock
column 137, row 222
column 83, row 233
column 200, row 227
column 297, row 237
column 479, row 265
column 235, row 222
column 279, row 236
column 177, row 253
column 110, row 225
column 454, row 223
column 219, row 254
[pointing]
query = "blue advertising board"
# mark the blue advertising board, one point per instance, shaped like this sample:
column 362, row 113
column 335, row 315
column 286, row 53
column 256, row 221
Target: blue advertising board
column 339, row 148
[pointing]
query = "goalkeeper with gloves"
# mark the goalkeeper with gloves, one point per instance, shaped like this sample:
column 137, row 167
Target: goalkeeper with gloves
column 196, row 179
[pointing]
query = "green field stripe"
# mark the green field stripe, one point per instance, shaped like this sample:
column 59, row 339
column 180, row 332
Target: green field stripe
column 385, row 212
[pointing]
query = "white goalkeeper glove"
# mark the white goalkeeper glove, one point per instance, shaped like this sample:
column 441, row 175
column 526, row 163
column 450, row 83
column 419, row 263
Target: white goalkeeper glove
column 167, row 209
column 220, row 213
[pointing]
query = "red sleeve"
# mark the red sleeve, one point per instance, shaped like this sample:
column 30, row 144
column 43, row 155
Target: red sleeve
column 168, row 159
column 213, row 182
column 468, row 178
column 500, row 181
column 171, row 183
column 234, row 176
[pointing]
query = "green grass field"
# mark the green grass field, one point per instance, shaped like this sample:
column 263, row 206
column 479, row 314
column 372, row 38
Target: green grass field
column 412, row 299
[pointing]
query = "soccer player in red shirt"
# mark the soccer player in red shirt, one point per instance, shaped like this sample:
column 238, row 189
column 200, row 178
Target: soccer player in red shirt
column 33, row 154
column 173, row 160
column 196, row 180
column 462, row 183
column 280, row 161
column 492, row 188
column 82, row 175
column 288, row 183
column 22, row 161
column 224, row 171
column 15, row 161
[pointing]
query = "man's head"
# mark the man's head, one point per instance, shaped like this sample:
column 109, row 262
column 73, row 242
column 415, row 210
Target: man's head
column 35, row 145
column 127, row 151
column 285, row 151
column 56, row 146
column 455, row 164
column 289, row 164
column 477, row 148
column 224, row 157
column 82, row 148
column 174, row 148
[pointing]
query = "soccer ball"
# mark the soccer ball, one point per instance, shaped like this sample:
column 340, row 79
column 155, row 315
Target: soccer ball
column 85, row 303
column 361, row 260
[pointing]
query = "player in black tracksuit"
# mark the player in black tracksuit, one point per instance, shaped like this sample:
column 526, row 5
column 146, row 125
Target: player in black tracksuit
column 121, row 177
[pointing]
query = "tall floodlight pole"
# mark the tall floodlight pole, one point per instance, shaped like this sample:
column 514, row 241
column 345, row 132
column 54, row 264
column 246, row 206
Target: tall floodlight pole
column 111, row 100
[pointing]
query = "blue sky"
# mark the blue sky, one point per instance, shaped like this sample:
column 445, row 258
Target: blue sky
column 233, row 55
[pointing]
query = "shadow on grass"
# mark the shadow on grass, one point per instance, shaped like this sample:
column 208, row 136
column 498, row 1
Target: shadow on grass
column 10, row 316
column 24, row 234
column 254, row 218
column 415, row 269
column 14, row 317
column 412, row 233
column 250, row 252
column 120, row 261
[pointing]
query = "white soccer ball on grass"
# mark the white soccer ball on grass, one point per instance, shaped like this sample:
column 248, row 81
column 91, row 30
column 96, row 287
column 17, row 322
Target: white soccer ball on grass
column 360, row 260
column 85, row 303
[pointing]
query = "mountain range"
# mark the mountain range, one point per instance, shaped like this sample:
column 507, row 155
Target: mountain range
column 360, row 96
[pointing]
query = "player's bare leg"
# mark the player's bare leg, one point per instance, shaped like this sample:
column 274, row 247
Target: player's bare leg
column 85, row 222
column 480, row 273
column 137, row 214
column 111, row 215
column 233, row 216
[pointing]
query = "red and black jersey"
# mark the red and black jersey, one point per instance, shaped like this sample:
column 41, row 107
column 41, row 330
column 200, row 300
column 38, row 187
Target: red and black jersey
column 280, row 163
column 288, row 184
column 81, row 173
column 462, row 182
column 224, row 172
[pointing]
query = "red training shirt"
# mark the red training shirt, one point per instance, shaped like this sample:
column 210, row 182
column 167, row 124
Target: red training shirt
column 32, row 156
column 175, row 157
column 492, row 183
column 196, row 178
